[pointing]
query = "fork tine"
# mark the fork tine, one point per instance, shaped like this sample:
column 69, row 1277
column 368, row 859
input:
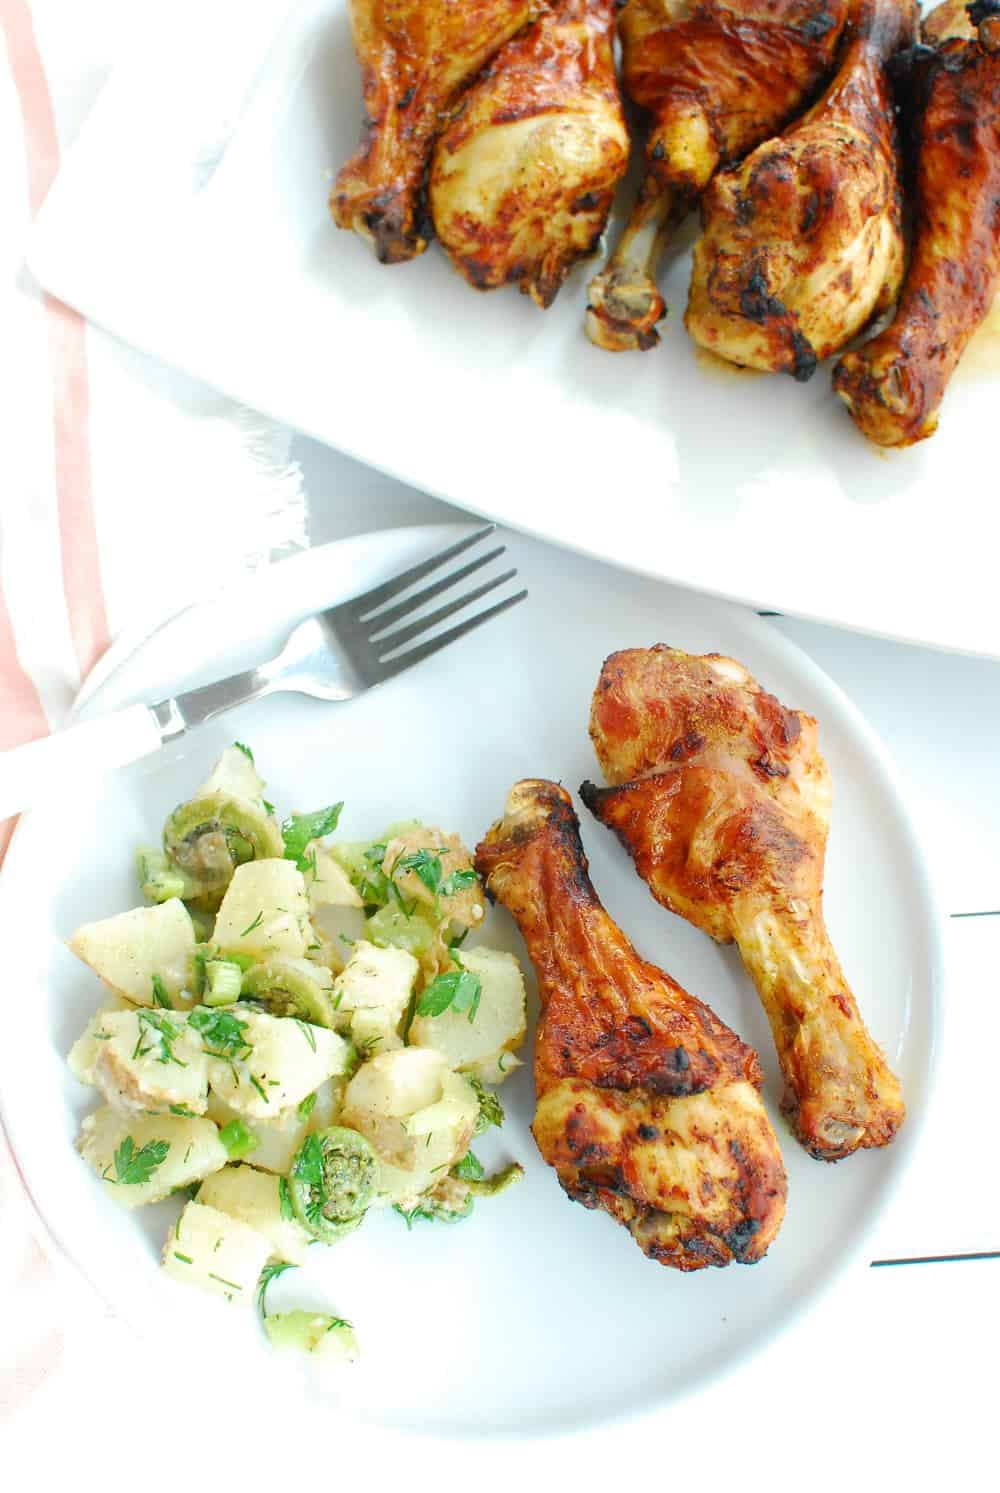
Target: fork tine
column 361, row 606
column 386, row 618
column 384, row 645
column 424, row 650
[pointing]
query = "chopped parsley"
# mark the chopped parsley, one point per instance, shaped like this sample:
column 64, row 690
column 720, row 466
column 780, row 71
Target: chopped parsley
column 255, row 924
column 470, row 1168
column 459, row 990
column 457, row 882
column 424, row 864
column 221, row 1032
column 307, row 1106
column 186, row 1259
column 307, row 1033
column 248, row 754
column 285, row 1200
column 300, row 829
column 308, row 1164
column 132, row 1167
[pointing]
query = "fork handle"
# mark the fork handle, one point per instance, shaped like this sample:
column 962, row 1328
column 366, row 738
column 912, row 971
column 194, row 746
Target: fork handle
column 29, row 772
column 80, row 752
column 84, row 751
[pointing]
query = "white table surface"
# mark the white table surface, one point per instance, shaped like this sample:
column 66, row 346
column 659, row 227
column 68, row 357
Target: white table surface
column 890, row 1380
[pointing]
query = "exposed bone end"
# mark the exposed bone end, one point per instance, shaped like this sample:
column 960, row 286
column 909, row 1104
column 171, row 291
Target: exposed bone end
column 884, row 394
column 623, row 309
column 391, row 222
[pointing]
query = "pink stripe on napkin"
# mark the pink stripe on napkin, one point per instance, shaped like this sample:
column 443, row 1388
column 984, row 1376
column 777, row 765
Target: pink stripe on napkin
column 21, row 715
column 81, row 568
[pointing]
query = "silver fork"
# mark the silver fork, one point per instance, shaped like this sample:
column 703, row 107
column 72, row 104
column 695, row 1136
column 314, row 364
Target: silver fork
column 334, row 655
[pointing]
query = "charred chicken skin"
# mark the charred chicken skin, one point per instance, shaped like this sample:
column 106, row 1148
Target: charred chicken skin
column 523, row 180
column 715, row 79
column 647, row 1104
column 802, row 243
column 894, row 385
column 723, row 801
column 415, row 56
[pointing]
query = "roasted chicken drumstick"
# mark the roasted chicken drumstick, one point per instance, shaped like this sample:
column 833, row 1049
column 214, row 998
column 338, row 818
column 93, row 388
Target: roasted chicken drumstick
column 802, row 242
column 723, row 801
column 647, row 1104
column 523, row 179
column 715, row 79
column 894, row 385
column 415, row 56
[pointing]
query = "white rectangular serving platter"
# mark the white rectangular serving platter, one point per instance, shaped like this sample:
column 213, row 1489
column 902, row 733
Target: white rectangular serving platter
column 190, row 219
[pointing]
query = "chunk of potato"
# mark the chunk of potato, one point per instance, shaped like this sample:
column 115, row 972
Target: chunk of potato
column 220, row 1254
column 329, row 1341
column 151, row 1060
column 277, row 1139
column 395, row 1084
column 126, row 951
column 385, row 1092
column 255, row 1197
column 376, row 1029
column 127, row 1151
column 236, row 775
column 281, row 1062
column 265, row 911
column 494, row 1069
column 329, row 884
column 441, row 1132
column 382, row 979
column 402, row 1187
column 83, row 1054
column 499, row 1023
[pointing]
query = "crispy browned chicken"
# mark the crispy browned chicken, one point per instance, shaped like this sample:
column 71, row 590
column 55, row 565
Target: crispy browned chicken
column 894, row 385
column 802, row 243
column 523, row 179
column 647, row 1104
column 714, row 79
column 723, row 801
column 415, row 56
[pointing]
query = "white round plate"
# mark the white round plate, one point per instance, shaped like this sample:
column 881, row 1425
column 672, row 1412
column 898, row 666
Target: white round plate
column 534, row 1315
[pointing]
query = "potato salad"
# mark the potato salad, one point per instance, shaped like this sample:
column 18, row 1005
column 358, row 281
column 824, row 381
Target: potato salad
column 292, row 1034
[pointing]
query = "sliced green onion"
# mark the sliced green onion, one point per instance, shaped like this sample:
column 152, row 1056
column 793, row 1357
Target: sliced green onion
column 238, row 1139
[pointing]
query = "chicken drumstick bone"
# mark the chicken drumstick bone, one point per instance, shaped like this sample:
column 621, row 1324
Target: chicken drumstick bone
column 647, row 1104
column 715, row 79
column 894, row 385
column 723, row 801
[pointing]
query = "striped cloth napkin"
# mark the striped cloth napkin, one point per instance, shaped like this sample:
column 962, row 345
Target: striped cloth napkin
column 108, row 461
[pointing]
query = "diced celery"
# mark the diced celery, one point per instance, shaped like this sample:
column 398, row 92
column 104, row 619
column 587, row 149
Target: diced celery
column 159, row 877
column 328, row 1338
column 223, row 982
column 390, row 927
